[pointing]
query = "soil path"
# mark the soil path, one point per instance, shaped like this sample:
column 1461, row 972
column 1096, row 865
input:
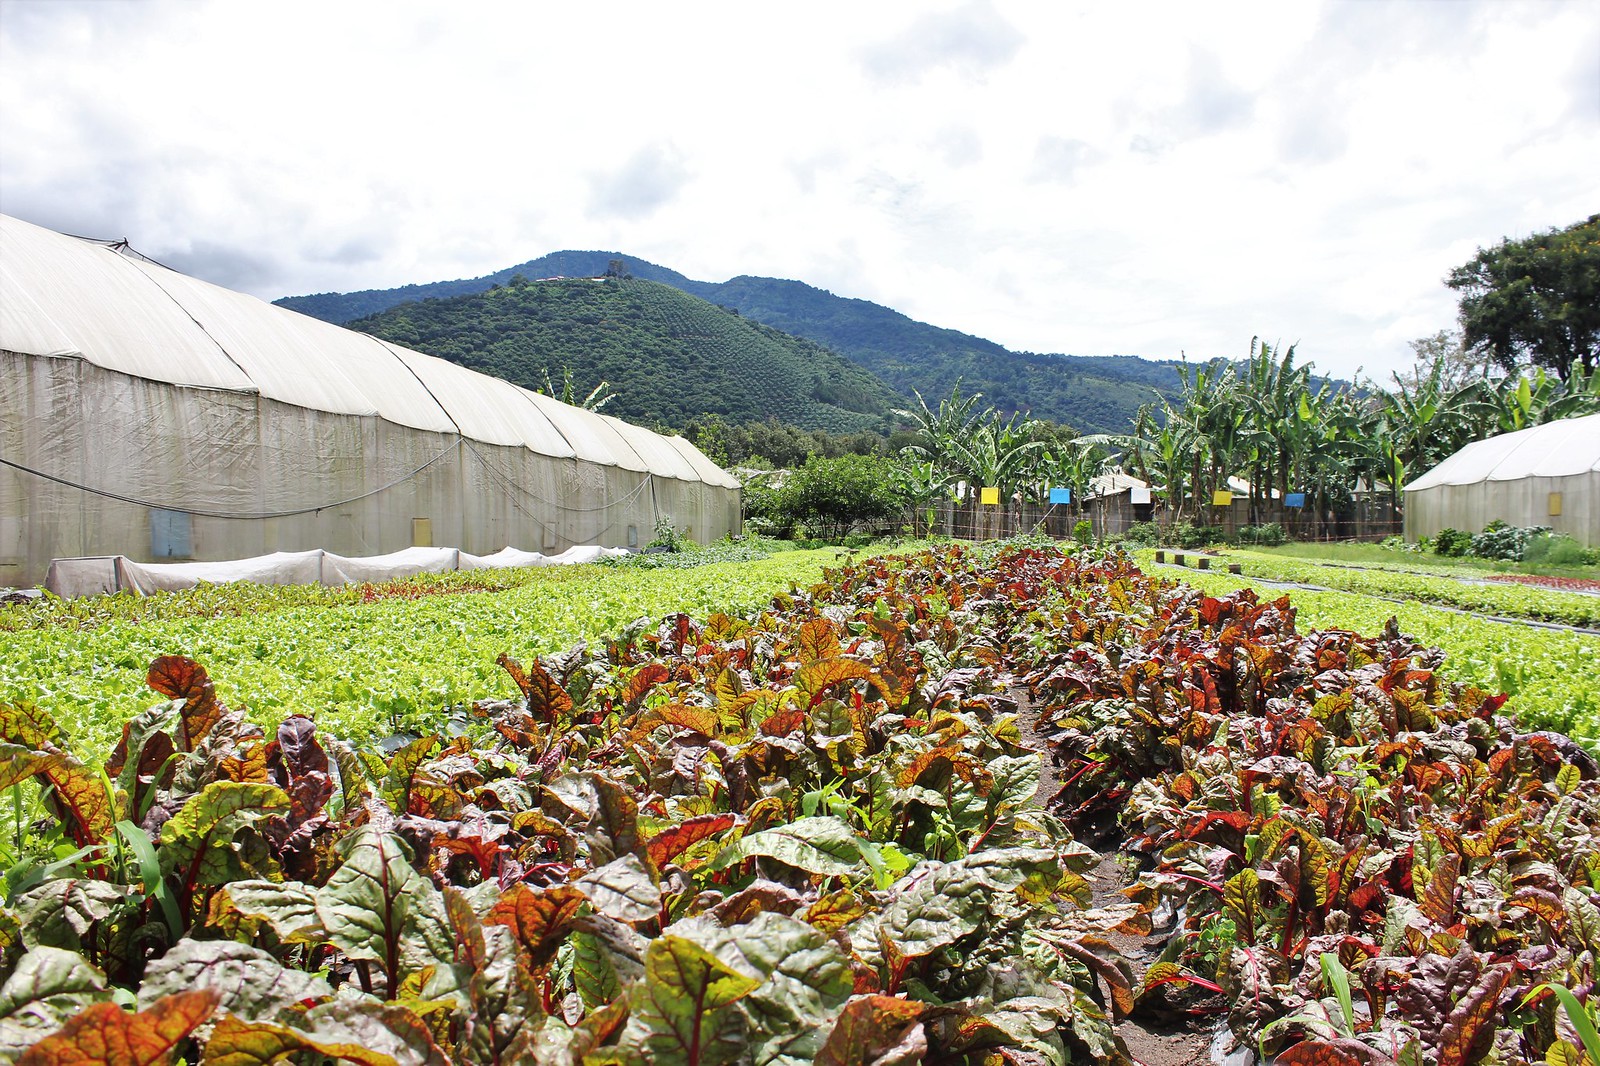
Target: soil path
column 1149, row 1042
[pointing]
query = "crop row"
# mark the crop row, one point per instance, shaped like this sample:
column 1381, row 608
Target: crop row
column 813, row 834
column 362, row 664
column 1520, row 601
column 1552, row 676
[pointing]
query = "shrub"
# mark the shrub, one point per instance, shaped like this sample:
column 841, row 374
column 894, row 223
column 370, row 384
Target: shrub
column 1500, row 540
column 1558, row 549
column 1269, row 534
column 1452, row 542
column 667, row 538
column 1142, row 535
column 830, row 497
column 1083, row 531
column 1189, row 535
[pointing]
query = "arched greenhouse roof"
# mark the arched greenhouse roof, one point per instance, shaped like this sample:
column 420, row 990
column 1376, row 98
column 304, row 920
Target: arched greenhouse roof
column 1564, row 448
column 74, row 298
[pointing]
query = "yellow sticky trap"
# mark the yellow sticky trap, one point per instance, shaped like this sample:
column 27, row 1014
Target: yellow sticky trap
column 422, row 532
column 989, row 495
column 1555, row 505
column 1221, row 498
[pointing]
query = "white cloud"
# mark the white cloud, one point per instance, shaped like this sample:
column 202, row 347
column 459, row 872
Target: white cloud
column 1094, row 179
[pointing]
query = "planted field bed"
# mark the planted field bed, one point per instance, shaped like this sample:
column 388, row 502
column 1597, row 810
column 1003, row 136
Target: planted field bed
column 1544, row 599
column 1552, row 676
column 364, row 660
column 818, row 832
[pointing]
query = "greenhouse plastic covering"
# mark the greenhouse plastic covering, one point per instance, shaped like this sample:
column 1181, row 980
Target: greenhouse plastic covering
column 1548, row 475
column 68, row 578
column 156, row 417
column 1556, row 449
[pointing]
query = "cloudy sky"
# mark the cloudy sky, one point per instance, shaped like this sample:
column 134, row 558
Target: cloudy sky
column 1095, row 178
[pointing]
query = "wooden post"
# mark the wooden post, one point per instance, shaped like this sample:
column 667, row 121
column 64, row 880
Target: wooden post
column 1161, row 557
column 1180, row 559
column 1235, row 568
column 1203, row 562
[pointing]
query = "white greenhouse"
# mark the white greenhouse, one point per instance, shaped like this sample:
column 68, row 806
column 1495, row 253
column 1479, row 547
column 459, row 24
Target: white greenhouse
column 146, row 414
column 1545, row 476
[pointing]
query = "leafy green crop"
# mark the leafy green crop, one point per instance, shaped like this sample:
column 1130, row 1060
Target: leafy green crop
column 813, row 833
column 1553, row 677
column 619, row 864
column 1517, row 601
column 363, row 661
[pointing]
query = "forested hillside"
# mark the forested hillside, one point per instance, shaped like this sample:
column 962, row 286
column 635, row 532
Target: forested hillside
column 1091, row 393
column 669, row 356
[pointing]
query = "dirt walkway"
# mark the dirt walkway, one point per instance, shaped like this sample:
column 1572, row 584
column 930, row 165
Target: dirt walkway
column 1150, row 1042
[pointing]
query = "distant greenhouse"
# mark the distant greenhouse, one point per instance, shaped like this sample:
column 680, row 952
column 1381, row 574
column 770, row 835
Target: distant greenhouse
column 148, row 414
column 1545, row 476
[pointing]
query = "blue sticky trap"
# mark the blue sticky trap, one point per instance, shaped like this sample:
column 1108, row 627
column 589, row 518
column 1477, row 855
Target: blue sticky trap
column 1060, row 495
column 1295, row 499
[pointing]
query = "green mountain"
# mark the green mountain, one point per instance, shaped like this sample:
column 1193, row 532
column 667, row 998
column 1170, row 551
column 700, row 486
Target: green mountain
column 1095, row 394
column 669, row 356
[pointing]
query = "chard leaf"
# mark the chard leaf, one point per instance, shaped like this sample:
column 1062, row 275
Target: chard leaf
column 48, row 987
column 178, row 678
column 869, row 1028
column 105, row 1033
column 817, row 640
column 358, row 1031
column 805, row 979
column 546, row 700
column 289, row 907
column 819, row 845
column 198, row 843
column 539, row 918
column 622, row 890
column 608, row 816
column 142, row 751
column 32, row 744
column 668, row 844
column 249, row 982
column 1241, row 895
column 58, row 913
column 684, row 1010
column 366, row 904
column 939, row 903
column 1585, row 918
column 502, row 999
column 1470, row 1026
column 814, row 679
column 592, row 971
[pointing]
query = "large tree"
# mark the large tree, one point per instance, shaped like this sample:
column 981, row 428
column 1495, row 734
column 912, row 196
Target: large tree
column 1536, row 300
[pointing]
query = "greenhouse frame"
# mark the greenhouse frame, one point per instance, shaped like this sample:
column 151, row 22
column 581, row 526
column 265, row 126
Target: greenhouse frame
column 148, row 414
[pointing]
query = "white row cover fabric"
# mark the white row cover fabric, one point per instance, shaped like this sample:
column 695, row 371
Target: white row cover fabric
column 1564, row 448
column 70, row 578
column 140, row 408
